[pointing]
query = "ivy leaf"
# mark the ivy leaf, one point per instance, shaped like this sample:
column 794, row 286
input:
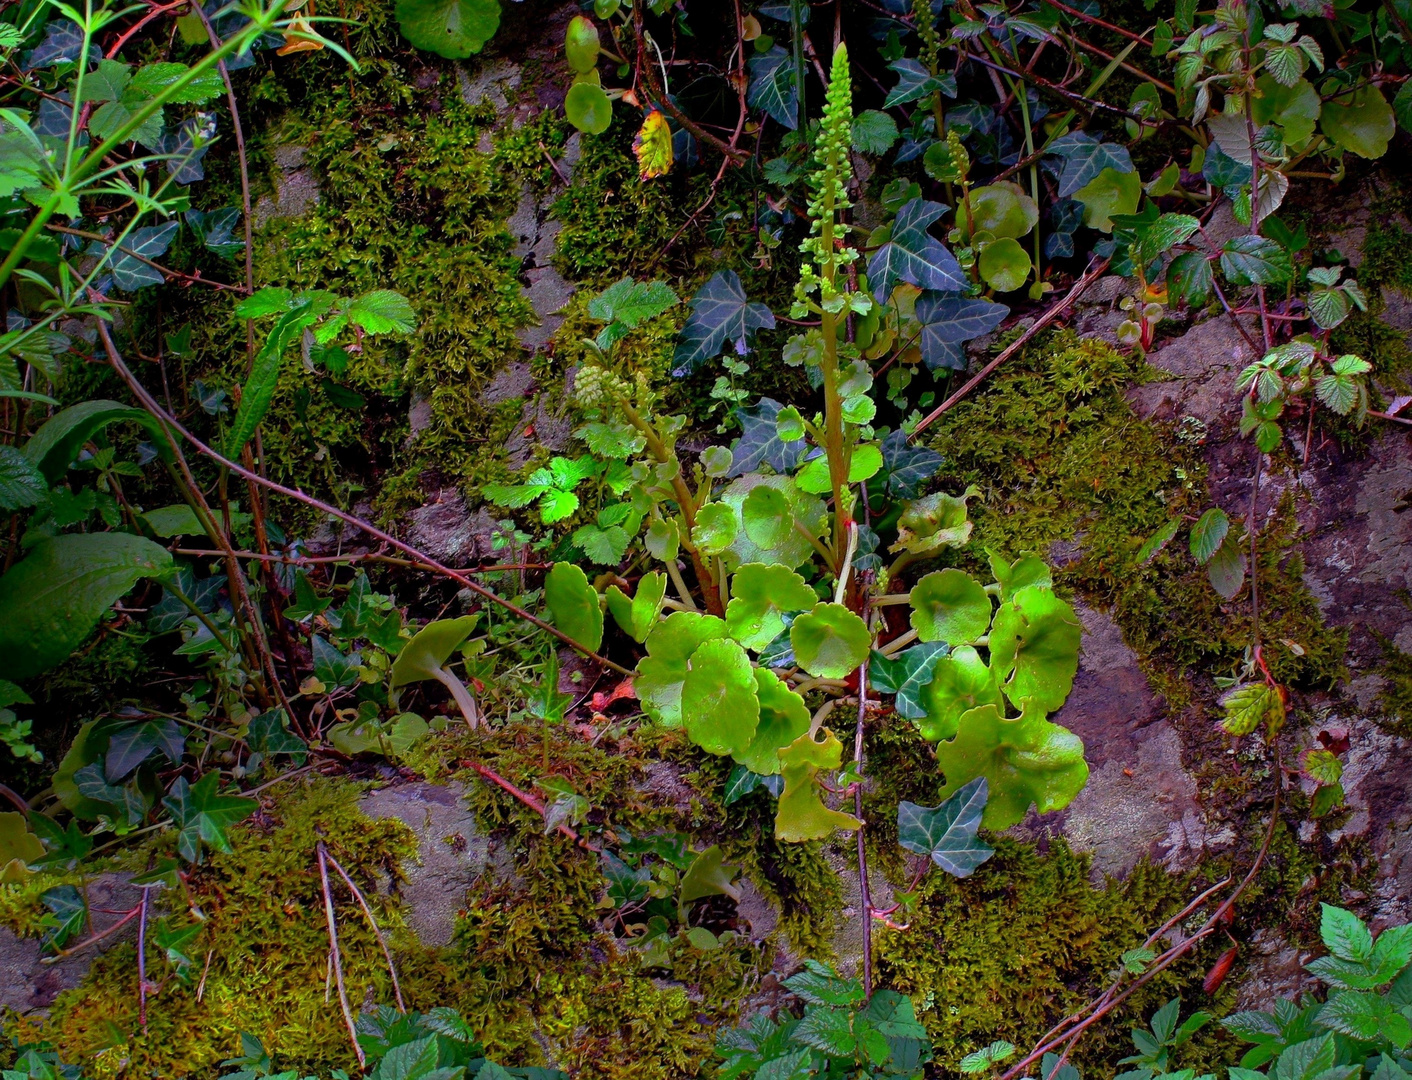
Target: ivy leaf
column 907, row 466
column 269, row 734
column 151, row 242
column 760, row 595
column 947, row 833
column 573, row 604
column 202, row 814
column 1254, row 260
column 67, row 915
column 830, row 642
column 719, row 705
column 661, row 673
column 951, row 606
column 913, row 255
column 801, row 814
column 1208, row 534
column 948, row 321
column 720, row 313
column 132, row 744
column 914, row 82
column 960, row 682
column 772, row 86
column 1026, row 761
column 759, row 443
column 1034, row 648
column 1084, row 158
column 907, row 675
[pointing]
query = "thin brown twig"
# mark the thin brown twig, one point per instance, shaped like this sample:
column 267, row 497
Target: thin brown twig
column 377, row 931
column 535, row 804
column 1090, row 275
column 334, row 956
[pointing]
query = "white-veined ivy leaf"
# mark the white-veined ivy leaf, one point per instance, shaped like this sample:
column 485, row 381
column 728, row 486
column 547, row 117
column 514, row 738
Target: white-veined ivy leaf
column 451, row 28
column 1254, row 260
column 1158, row 540
column 1084, row 158
column 873, row 132
column 759, row 443
column 126, row 802
column 215, row 229
column 1226, row 570
column 740, row 783
column 772, row 86
column 625, row 885
column 382, row 311
column 914, row 81
column 269, row 734
column 149, row 242
column 68, row 913
column 21, row 482
column 908, row 466
column 720, row 314
column 203, row 815
column 129, row 746
column 62, row 44
column 947, row 833
column 1222, row 171
column 948, row 321
column 1208, row 534
column 907, row 674
column 913, row 255
column 332, row 667
column 186, row 147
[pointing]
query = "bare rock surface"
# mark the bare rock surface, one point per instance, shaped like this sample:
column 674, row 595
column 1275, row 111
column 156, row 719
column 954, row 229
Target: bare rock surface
column 1203, row 364
column 452, row 853
column 446, row 530
column 27, row 985
column 296, row 188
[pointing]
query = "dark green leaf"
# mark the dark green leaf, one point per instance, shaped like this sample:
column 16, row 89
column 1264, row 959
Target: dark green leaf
column 451, row 28
column 1254, row 260
column 202, row 814
column 1084, row 158
column 907, row 674
column 21, row 482
column 720, row 315
column 913, row 255
column 947, row 833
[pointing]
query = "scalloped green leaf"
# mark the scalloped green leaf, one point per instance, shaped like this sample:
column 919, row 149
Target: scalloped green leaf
column 961, row 682
column 1027, row 761
column 801, row 814
column 793, row 548
column 573, row 604
column 814, row 477
column 451, row 28
column 1034, row 648
column 1028, row 569
column 784, row 717
column 662, row 671
column 767, row 517
column 719, row 705
column 933, row 522
column 430, row 648
column 951, row 606
column 1361, row 122
column 709, row 875
column 830, row 642
column 588, row 108
column 760, row 594
column 639, row 615
column 1004, row 265
column 581, row 45
column 717, row 525
column 1107, row 194
column 1003, row 210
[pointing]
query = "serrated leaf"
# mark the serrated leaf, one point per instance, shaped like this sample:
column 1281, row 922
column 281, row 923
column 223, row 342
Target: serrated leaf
column 1208, row 534
column 1226, row 570
column 1247, row 707
column 873, row 132
column 382, row 311
column 947, row 833
column 632, row 302
column 1254, row 260
column 21, row 482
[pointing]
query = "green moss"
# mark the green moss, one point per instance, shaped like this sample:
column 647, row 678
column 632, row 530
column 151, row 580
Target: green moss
column 1060, row 456
column 1395, row 701
column 1007, row 952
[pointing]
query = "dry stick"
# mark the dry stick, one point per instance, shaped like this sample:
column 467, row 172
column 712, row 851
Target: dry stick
column 1108, row 1002
column 1090, row 276
column 237, row 579
column 64, row 954
column 1099, row 22
column 866, row 893
column 333, row 953
column 142, row 960
column 377, row 931
column 14, row 797
column 150, row 404
column 529, row 800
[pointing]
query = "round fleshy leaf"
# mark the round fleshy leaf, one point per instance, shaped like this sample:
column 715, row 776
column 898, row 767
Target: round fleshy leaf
column 760, row 594
column 1003, row 210
column 1361, row 122
column 1110, row 192
column 716, row 527
column 830, row 642
column 1034, row 648
column 662, row 671
column 963, row 681
column 573, row 603
column 950, row 606
column 451, row 28
column 430, row 648
column 581, row 44
column 719, row 706
column 814, row 476
column 1295, row 108
column 1025, row 761
column 801, row 814
column 793, row 548
column 588, row 108
column 767, row 516
column 783, row 718
column 1004, row 265
column 639, row 615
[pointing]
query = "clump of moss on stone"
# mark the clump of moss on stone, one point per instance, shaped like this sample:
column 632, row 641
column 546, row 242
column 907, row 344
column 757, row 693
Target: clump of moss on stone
column 1395, row 701
column 1060, row 456
column 1007, row 952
